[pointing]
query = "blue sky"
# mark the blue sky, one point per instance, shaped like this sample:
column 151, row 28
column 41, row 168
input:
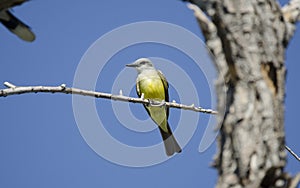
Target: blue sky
column 41, row 144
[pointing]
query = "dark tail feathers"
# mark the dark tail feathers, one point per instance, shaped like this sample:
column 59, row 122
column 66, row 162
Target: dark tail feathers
column 171, row 145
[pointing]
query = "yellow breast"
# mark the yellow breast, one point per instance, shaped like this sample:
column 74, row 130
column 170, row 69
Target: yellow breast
column 152, row 88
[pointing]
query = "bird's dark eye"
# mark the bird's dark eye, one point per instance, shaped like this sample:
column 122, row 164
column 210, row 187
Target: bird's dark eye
column 143, row 62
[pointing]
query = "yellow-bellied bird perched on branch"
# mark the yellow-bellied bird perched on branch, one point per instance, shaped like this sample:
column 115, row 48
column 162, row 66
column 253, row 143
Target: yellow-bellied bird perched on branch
column 12, row 23
column 152, row 84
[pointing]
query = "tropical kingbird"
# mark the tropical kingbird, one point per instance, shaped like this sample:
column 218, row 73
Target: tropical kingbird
column 12, row 23
column 152, row 84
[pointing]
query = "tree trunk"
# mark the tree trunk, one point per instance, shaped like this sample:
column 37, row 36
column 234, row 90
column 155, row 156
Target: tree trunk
column 248, row 39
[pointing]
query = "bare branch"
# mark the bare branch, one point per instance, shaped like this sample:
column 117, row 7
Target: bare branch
column 291, row 11
column 291, row 152
column 295, row 181
column 14, row 90
column 5, row 4
column 210, row 32
column 291, row 14
column 207, row 26
column 214, row 44
column 9, row 85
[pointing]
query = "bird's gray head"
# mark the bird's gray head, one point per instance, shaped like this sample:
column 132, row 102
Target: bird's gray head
column 142, row 64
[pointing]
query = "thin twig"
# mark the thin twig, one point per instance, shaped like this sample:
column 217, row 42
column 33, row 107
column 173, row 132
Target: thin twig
column 295, row 181
column 206, row 25
column 291, row 152
column 291, row 11
column 13, row 90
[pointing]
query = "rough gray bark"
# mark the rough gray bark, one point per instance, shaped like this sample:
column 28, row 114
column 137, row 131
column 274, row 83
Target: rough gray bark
column 248, row 39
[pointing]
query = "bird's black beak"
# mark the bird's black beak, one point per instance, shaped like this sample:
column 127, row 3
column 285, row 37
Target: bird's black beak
column 131, row 65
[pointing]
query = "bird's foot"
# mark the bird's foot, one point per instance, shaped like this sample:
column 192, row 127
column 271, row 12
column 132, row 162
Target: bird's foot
column 156, row 103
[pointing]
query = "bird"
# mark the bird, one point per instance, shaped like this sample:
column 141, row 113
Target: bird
column 151, row 84
column 12, row 23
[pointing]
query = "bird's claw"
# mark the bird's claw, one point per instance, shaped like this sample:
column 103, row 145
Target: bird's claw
column 156, row 103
